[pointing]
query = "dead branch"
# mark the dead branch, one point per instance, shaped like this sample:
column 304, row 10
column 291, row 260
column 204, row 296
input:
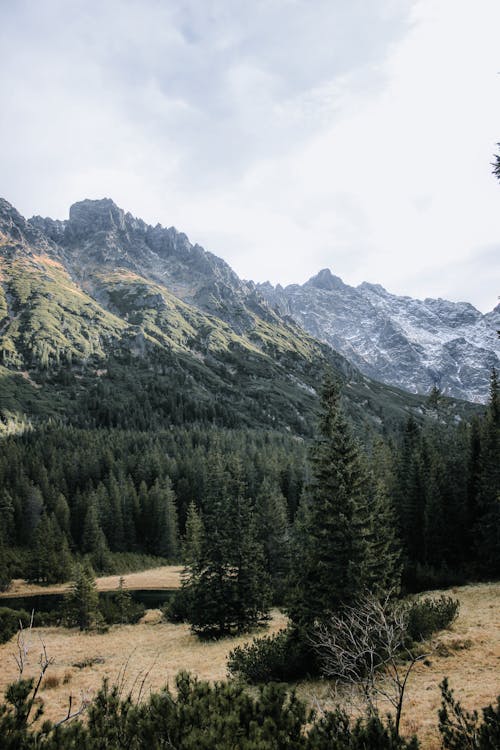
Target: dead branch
column 366, row 647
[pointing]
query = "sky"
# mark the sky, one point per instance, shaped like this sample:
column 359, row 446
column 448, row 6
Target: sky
column 285, row 136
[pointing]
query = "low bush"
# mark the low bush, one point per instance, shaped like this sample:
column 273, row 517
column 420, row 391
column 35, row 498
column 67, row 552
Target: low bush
column 463, row 730
column 427, row 616
column 197, row 715
column 286, row 655
column 179, row 607
column 9, row 622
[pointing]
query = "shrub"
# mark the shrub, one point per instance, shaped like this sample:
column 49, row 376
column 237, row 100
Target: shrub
column 428, row 615
column 179, row 607
column 50, row 682
column 114, row 610
column 284, row 656
column 462, row 730
column 9, row 622
column 334, row 732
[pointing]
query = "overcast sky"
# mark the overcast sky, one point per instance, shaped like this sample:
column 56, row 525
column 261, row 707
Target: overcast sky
column 283, row 135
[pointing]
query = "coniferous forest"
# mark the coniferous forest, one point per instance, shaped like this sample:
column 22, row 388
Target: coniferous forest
column 106, row 492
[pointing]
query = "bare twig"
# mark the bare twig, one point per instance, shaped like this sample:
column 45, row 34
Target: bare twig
column 364, row 647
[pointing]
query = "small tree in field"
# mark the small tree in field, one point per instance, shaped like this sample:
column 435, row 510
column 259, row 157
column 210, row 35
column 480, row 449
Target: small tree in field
column 82, row 605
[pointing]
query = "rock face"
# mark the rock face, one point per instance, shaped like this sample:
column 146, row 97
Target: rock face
column 100, row 235
column 413, row 344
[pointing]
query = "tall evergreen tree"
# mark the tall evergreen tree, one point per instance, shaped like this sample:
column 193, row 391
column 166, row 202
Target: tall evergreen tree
column 488, row 526
column 227, row 585
column 50, row 558
column 273, row 528
column 93, row 541
column 164, row 511
column 193, row 536
column 338, row 546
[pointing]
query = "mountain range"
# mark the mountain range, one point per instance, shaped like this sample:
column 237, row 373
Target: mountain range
column 108, row 321
column 410, row 343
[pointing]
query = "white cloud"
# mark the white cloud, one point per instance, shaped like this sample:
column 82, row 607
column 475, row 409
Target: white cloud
column 284, row 135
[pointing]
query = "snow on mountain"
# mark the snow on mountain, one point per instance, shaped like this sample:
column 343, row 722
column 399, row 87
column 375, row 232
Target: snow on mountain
column 410, row 343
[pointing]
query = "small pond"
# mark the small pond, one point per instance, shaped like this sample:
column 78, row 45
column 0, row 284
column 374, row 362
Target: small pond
column 151, row 598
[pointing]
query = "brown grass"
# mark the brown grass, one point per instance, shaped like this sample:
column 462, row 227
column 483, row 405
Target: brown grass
column 468, row 654
column 166, row 577
column 152, row 648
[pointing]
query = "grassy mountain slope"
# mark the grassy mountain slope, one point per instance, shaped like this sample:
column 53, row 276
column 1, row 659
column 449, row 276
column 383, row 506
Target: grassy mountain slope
column 107, row 322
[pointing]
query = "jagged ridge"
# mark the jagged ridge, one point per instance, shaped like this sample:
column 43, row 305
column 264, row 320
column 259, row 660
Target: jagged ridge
column 409, row 343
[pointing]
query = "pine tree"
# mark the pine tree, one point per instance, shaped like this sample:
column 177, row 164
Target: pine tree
column 227, row 585
column 123, row 601
column 488, row 526
column 93, row 539
column 338, row 546
column 82, row 604
column 50, row 558
column 164, row 512
column 384, row 571
column 273, row 528
column 193, row 536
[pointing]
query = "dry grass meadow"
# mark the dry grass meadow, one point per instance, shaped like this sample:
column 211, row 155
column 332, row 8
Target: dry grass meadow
column 154, row 651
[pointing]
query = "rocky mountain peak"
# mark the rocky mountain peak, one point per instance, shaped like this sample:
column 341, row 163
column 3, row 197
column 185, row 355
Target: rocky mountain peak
column 90, row 216
column 325, row 280
column 11, row 222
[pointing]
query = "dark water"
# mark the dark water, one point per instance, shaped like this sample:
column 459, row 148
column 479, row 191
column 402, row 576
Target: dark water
column 151, row 598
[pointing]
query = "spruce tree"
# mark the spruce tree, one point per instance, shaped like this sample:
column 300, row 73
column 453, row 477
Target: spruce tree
column 164, row 513
column 488, row 526
column 338, row 549
column 93, row 540
column 273, row 528
column 82, row 603
column 193, row 536
column 227, row 585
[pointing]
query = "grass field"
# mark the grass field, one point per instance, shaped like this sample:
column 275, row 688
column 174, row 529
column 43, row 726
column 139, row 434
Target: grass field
column 154, row 651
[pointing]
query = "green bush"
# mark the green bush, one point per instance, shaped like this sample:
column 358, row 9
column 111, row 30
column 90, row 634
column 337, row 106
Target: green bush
column 281, row 657
column 462, row 730
column 117, row 609
column 334, row 732
column 9, row 622
column 196, row 716
column 428, row 615
column 179, row 607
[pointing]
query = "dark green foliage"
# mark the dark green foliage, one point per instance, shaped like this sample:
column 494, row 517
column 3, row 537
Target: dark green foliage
column 273, row 528
column 335, row 732
column 281, row 657
column 462, row 730
column 120, row 607
column 82, row 603
column 5, row 576
column 426, row 616
column 263, row 660
column 112, row 492
column 228, row 589
column 9, row 622
column 51, row 559
column 180, row 607
column 342, row 549
column 488, row 497
column 199, row 716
